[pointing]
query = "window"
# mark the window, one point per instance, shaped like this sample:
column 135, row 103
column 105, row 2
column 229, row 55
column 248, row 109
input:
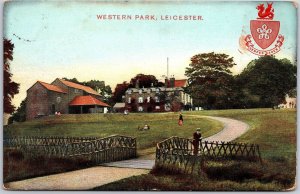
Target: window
column 148, row 99
column 129, row 100
column 167, row 107
column 76, row 90
column 156, row 99
column 140, row 99
column 140, row 109
column 58, row 99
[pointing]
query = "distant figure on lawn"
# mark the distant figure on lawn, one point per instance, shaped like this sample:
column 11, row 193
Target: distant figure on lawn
column 180, row 120
column 146, row 127
column 196, row 140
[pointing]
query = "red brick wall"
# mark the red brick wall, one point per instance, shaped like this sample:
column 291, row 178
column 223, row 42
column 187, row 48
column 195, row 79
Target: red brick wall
column 72, row 93
column 37, row 101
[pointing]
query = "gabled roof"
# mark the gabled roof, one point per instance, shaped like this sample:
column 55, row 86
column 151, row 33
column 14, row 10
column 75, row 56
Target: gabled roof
column 119, row 105
column 180, row 83
column 52, row 87
column 86, row 100
column 79, row 86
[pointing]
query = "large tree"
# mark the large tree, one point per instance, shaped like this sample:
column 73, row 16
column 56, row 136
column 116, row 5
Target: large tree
column 74, row 80
column 20, row 114
column 120, row 92
column 266, row 81
column 99, row 86
column 142, row 80
column 10, row 87
column 210, row 79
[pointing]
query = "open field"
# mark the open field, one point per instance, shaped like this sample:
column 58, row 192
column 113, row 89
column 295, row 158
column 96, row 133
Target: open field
column 162, row 126
column 273, row 130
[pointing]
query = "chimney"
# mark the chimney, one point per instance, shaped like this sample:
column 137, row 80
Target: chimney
column 167, row 83
column 137, row 83
column 172, row 82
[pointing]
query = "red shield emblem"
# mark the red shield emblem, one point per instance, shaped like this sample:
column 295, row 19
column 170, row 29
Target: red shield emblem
column 264, row 32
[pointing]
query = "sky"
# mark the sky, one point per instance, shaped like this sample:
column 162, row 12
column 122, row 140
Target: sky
column 65, row 39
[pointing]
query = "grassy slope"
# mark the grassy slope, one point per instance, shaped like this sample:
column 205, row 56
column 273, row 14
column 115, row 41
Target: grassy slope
column 17, row 167
column 273, row 130
column 162, row 126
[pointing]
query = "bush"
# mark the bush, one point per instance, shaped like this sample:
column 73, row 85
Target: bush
column 235, row 172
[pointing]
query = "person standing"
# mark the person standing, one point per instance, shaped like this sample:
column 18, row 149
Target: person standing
column 196, row 140
column 180, row 120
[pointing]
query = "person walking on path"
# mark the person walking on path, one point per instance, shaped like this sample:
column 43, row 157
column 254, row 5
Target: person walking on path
column 196, row 140
column 180, row 120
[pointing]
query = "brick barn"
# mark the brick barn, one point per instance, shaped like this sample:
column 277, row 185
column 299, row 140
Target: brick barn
column 62, row 96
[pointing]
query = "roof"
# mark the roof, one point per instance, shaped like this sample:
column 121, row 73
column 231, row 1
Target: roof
column 119, row 105
column 79, row 86
column 52, row 87
column 86, row 100
column 153, row 89
column 180, row 83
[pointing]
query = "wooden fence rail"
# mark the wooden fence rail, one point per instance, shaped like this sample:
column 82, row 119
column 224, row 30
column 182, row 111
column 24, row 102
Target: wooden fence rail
column 179, row 152
column 98, row 150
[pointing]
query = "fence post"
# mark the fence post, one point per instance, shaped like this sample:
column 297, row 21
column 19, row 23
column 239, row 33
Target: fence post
column 257, row 147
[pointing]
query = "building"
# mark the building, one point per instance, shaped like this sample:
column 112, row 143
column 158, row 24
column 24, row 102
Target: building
column 119, row 107
column 289, row 102
column 62, row 96
column 159, row 99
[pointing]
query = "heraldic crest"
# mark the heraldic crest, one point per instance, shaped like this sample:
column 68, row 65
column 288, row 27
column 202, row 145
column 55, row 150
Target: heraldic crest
column 264, row 32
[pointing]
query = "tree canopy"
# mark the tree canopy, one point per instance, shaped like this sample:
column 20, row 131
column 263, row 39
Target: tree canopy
column 10, row 87
column 145, row 81
column 210, row 79
column 120, row 91
column 266, row 81
column 100, row 87
column 140, row 80
column 20, row 114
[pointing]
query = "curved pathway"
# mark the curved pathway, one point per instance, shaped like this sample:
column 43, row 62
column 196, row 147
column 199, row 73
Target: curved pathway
column 96, row 176
column 232, row 129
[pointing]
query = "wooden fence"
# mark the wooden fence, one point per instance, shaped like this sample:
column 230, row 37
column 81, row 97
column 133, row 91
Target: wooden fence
column 176, row 151
column 98, row 150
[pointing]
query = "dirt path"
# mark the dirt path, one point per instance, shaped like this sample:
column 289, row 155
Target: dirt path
column 92, row 177
column 232, row 129
column 76, row 180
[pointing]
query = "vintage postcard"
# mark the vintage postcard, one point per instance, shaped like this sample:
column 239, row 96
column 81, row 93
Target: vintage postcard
column 150, row 96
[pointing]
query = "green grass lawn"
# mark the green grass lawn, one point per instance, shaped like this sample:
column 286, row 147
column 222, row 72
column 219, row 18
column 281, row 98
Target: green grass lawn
column 273, row 130
column 162, row 126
